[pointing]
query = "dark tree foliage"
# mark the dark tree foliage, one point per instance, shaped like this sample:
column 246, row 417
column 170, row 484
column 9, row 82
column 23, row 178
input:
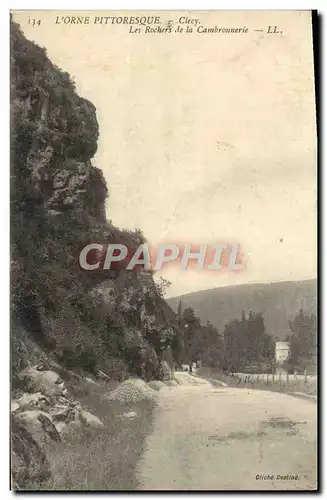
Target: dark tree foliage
column 303, row 342
column 247, row 346
column 191, row 327
column 200, row 342
column 244, row 345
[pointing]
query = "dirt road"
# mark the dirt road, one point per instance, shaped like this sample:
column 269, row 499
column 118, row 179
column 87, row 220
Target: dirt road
column 208, row 438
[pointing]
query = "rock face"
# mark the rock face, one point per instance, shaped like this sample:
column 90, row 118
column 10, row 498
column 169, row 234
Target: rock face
column 56, row 130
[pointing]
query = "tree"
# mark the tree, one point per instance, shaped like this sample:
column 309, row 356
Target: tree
column 303, row 341
column 191, row 328
column 197, row 341
column 210, row 347
column 179, row 313
column 233, row 346
column 247, row 346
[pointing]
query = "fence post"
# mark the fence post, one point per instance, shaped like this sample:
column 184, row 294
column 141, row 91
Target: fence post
column 280, row 379
column 305, row 376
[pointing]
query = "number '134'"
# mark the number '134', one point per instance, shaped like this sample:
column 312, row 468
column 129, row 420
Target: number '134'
column 34, row 21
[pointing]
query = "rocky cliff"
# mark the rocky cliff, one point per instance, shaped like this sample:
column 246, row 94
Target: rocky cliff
column 110, row 321
column 91, row 329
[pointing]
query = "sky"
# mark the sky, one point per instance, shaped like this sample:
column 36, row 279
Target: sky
column 204, row 138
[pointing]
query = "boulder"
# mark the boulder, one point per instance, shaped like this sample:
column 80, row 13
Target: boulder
column 61, row 427
column 90, row 420
column 130, row 414
column 39, row 424
column 34, row 400
column 29, row 465
column 14, row 406
column 66, row 430
column 48, row 382
column 62, row 413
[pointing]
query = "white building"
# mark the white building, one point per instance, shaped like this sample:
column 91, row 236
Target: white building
column 282, row 351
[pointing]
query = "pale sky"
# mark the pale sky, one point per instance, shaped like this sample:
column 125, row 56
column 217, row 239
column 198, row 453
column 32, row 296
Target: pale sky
column 204, row 138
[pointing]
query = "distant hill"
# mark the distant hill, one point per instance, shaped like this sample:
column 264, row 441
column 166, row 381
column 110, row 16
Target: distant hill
column 278, row 302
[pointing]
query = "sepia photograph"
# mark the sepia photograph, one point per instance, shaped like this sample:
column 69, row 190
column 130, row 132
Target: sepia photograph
column 163, row 250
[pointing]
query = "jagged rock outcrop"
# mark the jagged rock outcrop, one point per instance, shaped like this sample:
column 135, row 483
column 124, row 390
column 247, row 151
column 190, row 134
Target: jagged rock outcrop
column 54, row 133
